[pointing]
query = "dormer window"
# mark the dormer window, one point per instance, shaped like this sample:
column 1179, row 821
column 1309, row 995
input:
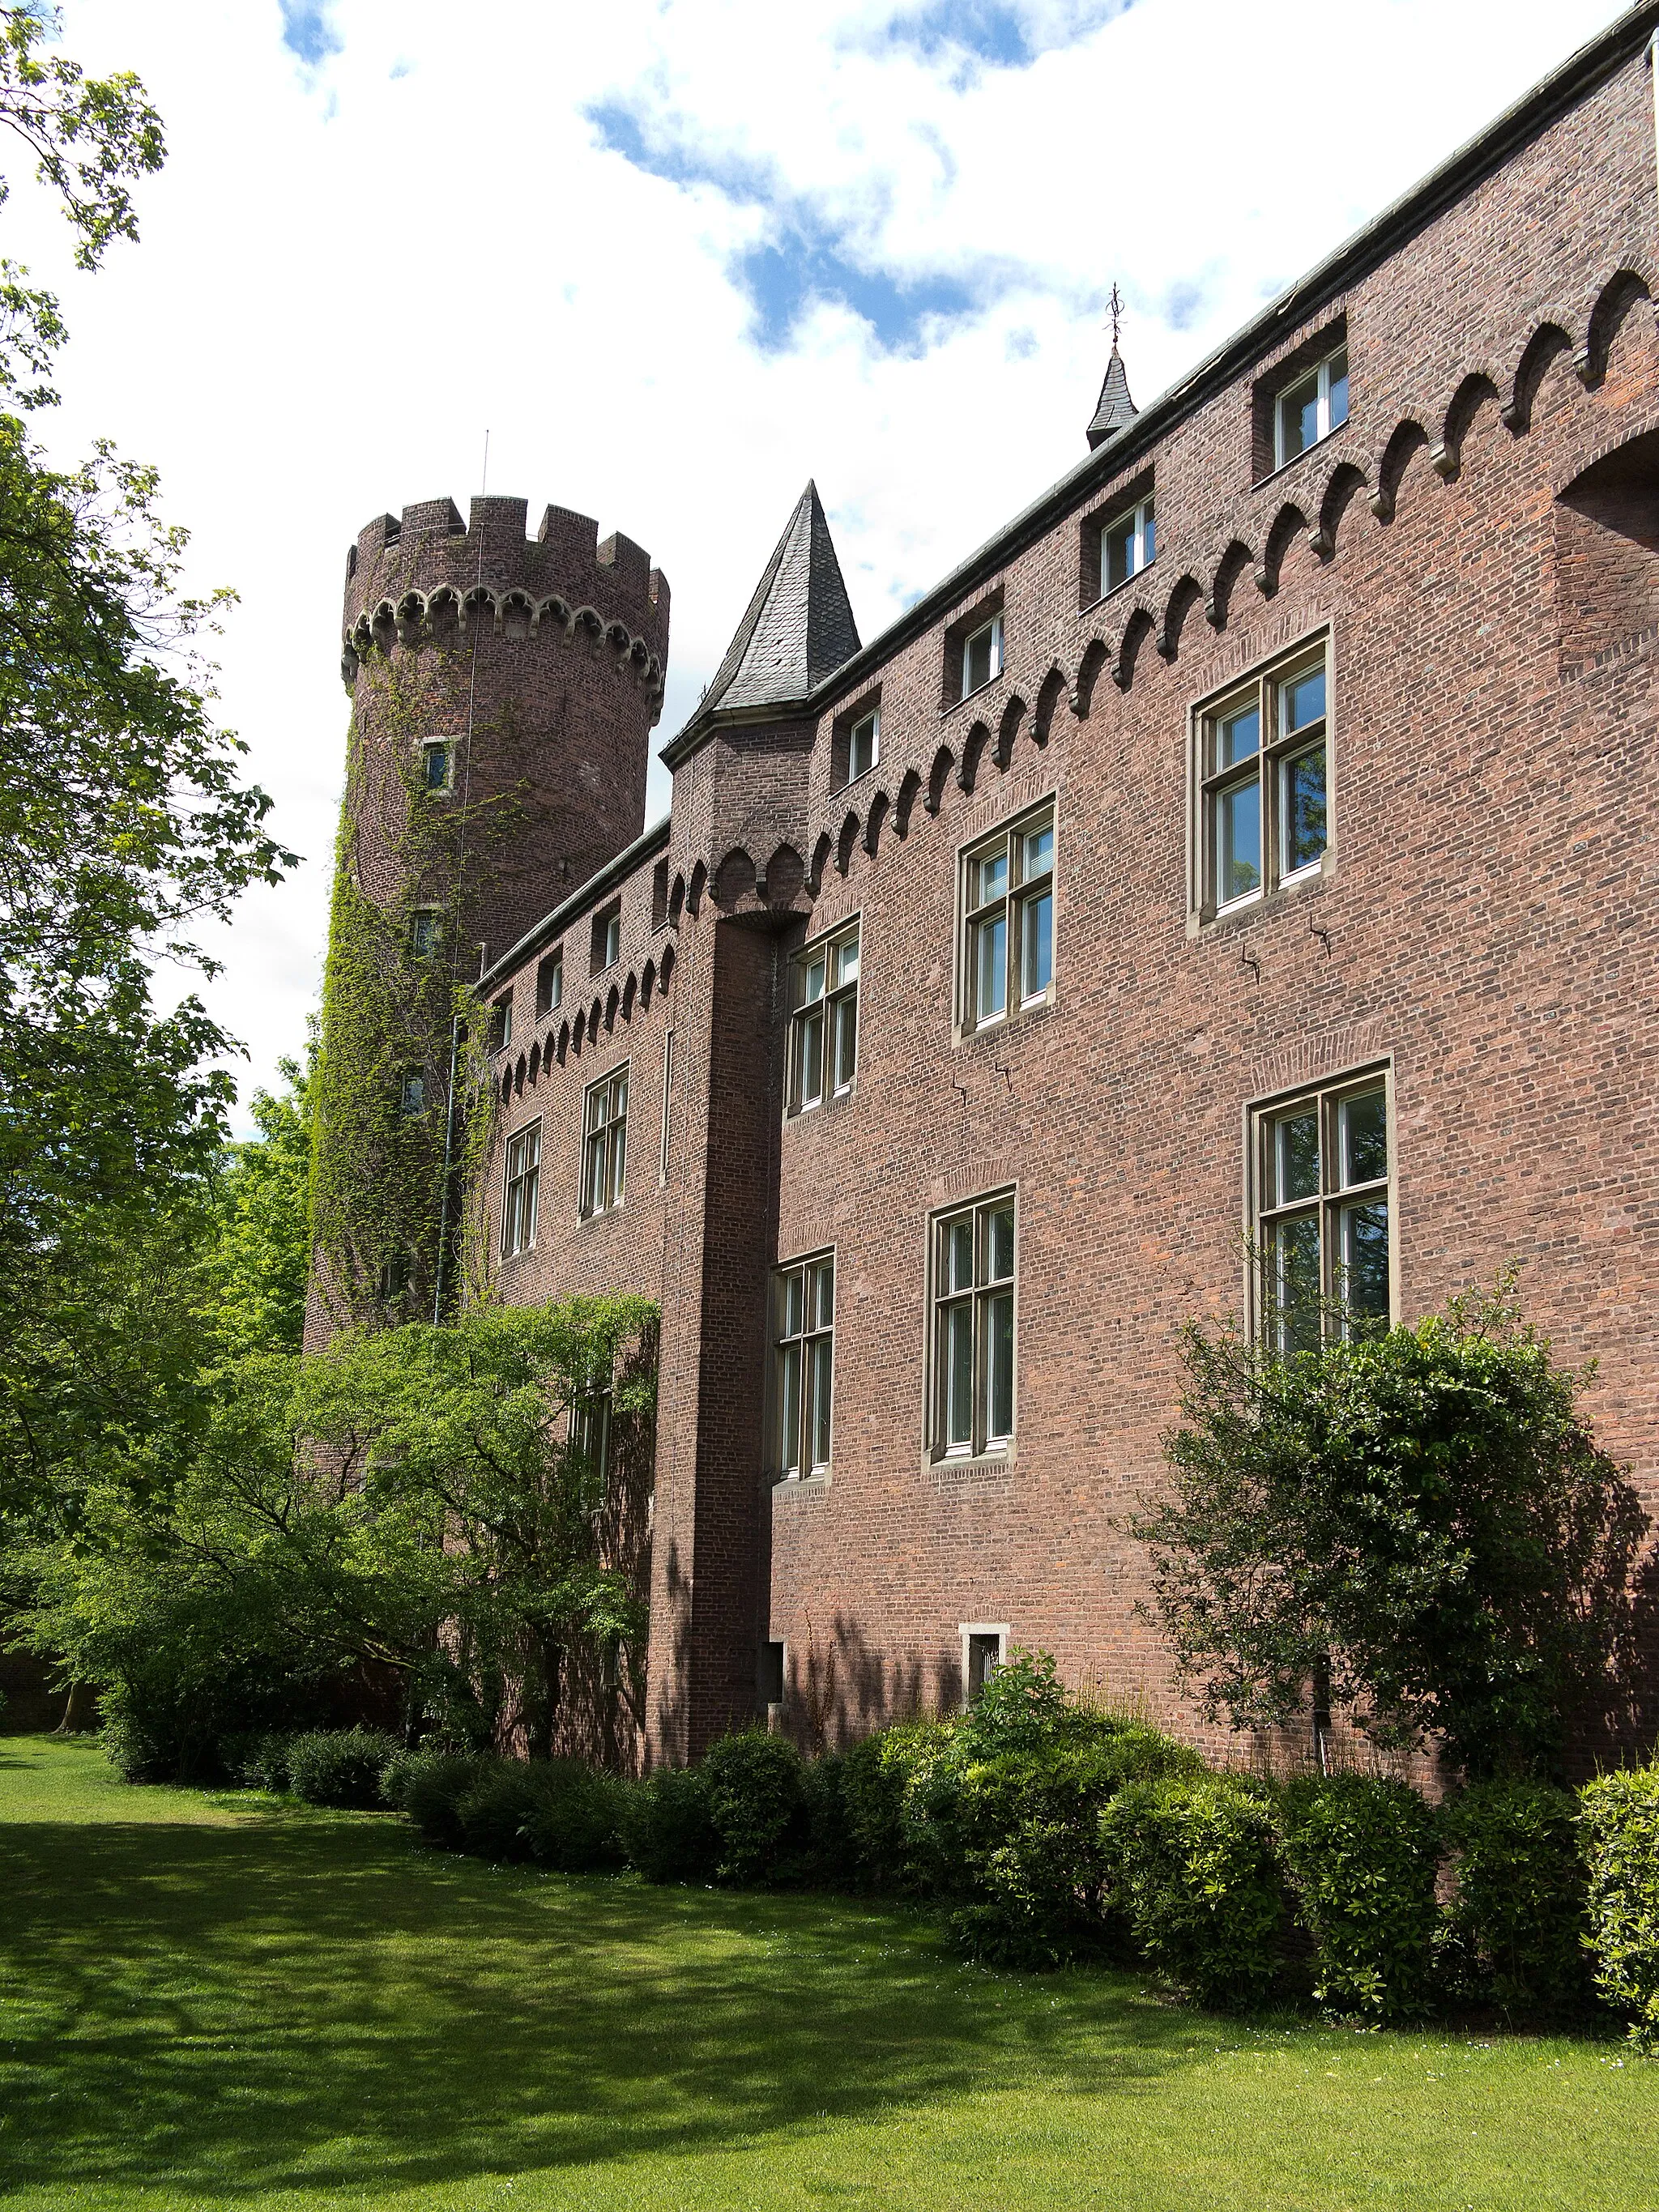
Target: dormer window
column 1311, row 408
column 863, row 745
column 435, row 766
column 1127, row 546
column 981, row 656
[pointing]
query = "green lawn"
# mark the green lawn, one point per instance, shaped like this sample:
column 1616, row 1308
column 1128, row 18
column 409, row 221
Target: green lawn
column 226, row 2001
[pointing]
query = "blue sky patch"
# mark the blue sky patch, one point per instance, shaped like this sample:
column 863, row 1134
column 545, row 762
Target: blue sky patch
column 805, row 256
column 1000, row 33
column 308, row 32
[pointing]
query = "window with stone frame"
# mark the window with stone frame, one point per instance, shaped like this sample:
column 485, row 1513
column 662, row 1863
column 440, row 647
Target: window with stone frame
column 804, row 1360
column 1321, row 1174
column 1262, row 772
column 823, row 1025
column 971, row 1328
column 521, row 1190
column 605, row 1142
column 1005, row 962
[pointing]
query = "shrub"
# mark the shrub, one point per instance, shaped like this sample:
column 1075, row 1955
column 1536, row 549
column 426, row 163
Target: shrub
column 1515, row 1929
column 756, row 1792
column 667, row 1829
column 1618, row 1826
column 258, row 1762
column 339, row 1766
column 493, row 1813
column 1033, row 1897
column 573, row 1823
column 430, row 1786
column 1363, row 1854
column 875, row 1775
column 1193, row 1865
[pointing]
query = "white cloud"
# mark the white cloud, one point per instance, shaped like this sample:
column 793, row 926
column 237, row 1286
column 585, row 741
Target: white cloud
column 353, row 264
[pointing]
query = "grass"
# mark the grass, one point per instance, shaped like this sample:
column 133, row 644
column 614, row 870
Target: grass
column 228, row 2001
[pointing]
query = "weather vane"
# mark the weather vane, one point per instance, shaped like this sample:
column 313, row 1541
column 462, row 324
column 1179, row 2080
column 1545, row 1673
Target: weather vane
column 1115, row 307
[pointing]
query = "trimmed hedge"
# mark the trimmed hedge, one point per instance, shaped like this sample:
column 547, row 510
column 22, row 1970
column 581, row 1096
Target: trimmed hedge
column 1048, row 1830
column 1514, row 1934
column 339, row 1766
column 1618, row 1826
column 1363, row 1854
column 1194, row 1869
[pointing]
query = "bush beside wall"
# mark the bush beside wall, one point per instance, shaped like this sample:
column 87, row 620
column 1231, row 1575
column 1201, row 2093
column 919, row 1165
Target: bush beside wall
column 1364, row 1855
column 1193, row 1868
column 1514, row 1934
column 1620, row 1827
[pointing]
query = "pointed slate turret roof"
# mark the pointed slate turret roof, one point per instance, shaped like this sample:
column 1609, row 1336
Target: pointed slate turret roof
column 799, row 627
column 1115, row 408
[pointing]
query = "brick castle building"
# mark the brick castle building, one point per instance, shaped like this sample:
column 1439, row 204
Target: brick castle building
column 1253, row 845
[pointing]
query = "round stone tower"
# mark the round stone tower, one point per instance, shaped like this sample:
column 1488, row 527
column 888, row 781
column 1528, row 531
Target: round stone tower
column 504, row 689
column 512, row 683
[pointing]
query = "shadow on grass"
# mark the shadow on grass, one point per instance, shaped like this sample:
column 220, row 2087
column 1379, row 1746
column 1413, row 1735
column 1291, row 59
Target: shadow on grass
column 324, row 2003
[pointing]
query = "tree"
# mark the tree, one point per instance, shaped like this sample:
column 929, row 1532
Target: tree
column 123, row 820
column 258, row 1264
column 1419, row 1525
column 419, row 1501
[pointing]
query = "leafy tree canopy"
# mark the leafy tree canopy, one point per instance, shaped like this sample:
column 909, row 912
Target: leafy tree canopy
column 1424, row 1519
column 123, row 820
column 419, row 1500
column 257, row 1268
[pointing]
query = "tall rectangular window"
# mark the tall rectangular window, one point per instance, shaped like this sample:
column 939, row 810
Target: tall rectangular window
column 1006, row 956
column 426, row 932
column 823, row 1028
column 501, row 1023
column 1311, row 408
column 981, row 656
column 605, row 1142
column 521, row 1190
column 971, row 1331
column 1321, row 1186
column 411, row 1091
column 1127, row 545
column 804, row 1354
column 863, row 745
column 550, row 983
column 607, row 937
column 590, row 1438
column 436, row 768
column 1263, row 770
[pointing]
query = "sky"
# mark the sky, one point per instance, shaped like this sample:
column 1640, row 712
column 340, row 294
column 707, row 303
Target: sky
column 675, row 256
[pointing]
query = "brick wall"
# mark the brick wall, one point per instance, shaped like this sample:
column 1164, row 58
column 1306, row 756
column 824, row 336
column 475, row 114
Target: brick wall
column 1485, row 925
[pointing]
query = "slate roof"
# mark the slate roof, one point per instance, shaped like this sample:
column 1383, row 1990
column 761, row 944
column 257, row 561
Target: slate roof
column 799, row 627
column 1115, row 407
